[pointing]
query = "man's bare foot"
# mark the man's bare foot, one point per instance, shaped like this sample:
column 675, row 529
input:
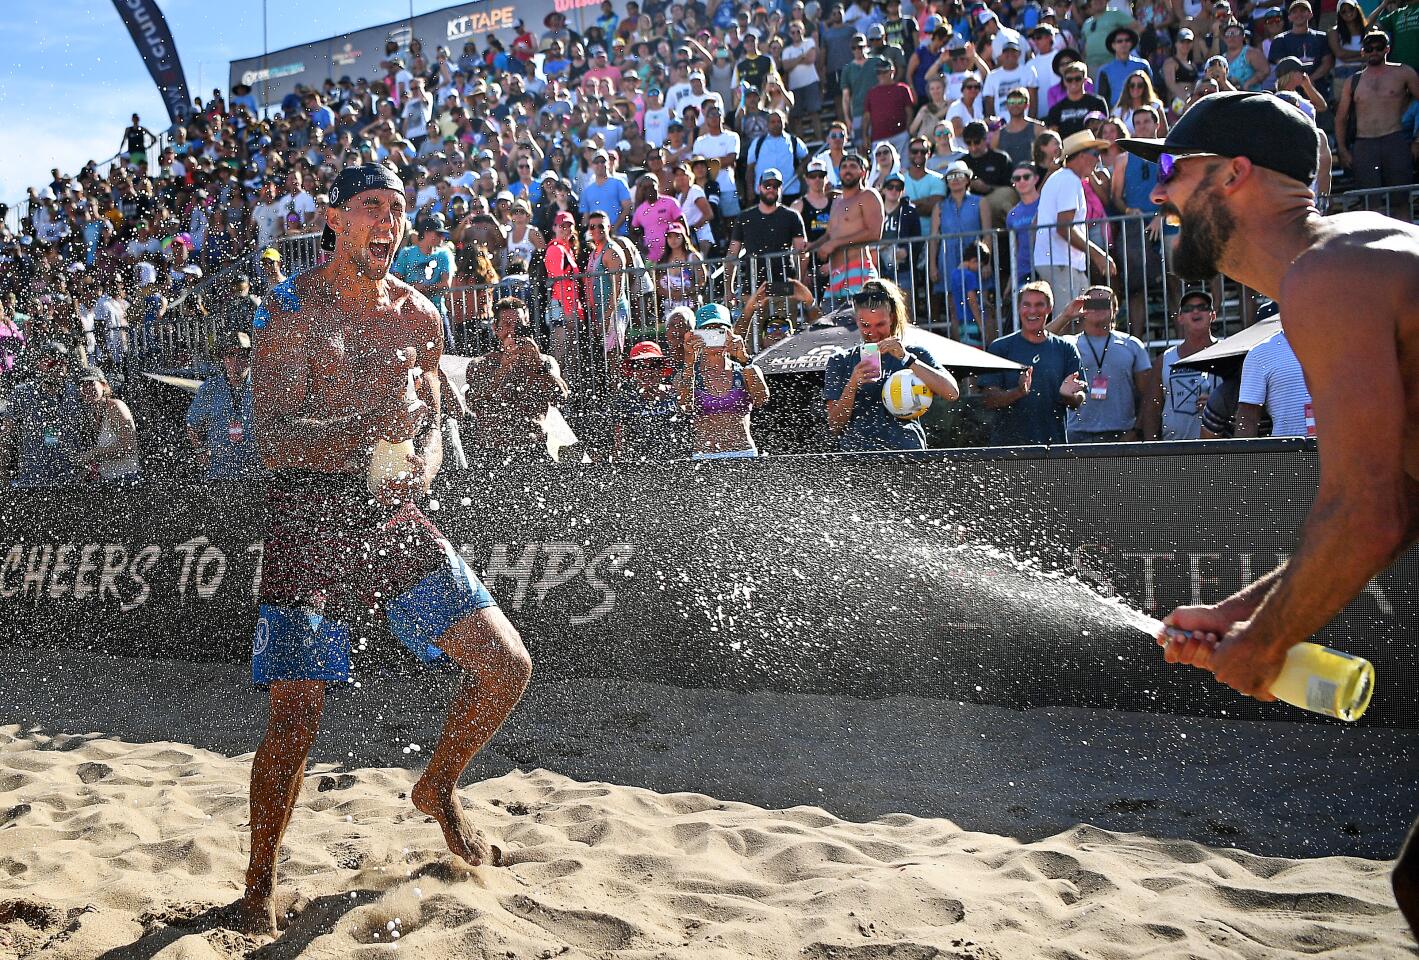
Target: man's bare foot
column 463, row 839
column 255, row 913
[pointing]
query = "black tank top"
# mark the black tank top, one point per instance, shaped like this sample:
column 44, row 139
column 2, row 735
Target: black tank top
column 1185, row 72
column 815, row 218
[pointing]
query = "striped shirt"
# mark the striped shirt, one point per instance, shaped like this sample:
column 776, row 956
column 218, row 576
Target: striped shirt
column 1272, row 378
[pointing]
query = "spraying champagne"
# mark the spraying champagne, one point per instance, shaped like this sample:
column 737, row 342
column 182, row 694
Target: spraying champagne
column 1314, row 677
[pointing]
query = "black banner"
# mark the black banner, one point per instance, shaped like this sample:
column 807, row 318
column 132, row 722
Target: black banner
column 149, row 30
column 958, row 578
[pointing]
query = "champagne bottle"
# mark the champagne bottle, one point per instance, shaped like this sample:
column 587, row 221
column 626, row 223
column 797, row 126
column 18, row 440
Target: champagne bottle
column 1318, row 679
column 389, row 460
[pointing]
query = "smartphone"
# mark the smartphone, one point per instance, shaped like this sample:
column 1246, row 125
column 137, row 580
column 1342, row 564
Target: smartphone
column 781, row 288
column 872, row 354
column 711, row 336
column 1097, row 303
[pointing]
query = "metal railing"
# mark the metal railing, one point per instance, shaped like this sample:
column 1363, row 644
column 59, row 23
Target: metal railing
column 1399, row 202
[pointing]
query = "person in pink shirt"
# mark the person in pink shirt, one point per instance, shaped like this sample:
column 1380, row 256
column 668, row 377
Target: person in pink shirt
column 653, row 215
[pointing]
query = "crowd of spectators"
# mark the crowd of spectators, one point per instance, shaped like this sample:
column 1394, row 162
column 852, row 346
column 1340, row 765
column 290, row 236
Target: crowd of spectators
column 597, row 177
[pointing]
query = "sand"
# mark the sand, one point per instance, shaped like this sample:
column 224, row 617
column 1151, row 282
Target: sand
column 776, row 826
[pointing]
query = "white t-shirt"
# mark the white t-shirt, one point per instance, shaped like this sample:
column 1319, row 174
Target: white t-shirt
column 657, row 125
column 712, row 145
column 416, row 117
column 302, row 203
column 676, row 98
column 1063, row 192
column 1272, row 378
column 1001, row 82
column 1043, row 78
column 959, row 111
column 804, row 73
column 695, row 218
column 427, row 195
column 268, row 218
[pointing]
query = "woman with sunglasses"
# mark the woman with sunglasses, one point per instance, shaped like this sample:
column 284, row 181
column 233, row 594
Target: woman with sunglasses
column 1138, row 93
column 942, row 149
column 720, row 388
column 1345, row 40
column 1179, row 72
column 852, row 385
column 564, row 309
column 885, row 160
column 963, row 111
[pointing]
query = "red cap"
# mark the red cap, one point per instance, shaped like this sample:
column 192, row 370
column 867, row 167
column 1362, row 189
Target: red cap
column 644, row 350
column 564, row 217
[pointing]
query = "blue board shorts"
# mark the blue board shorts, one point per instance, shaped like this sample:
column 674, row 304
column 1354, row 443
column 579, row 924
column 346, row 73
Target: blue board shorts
column 329, row 546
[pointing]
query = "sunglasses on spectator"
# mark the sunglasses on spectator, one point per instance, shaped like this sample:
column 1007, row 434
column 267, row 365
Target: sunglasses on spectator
column 970, row 86
column 893, row 186
column 1019, row 177
column 1194, row 308
column 1376, row 47
column 1074, row 78
column 871, row 295
column 919, row 151
column 595, row 226
column 1016, row 101
column 814, row 173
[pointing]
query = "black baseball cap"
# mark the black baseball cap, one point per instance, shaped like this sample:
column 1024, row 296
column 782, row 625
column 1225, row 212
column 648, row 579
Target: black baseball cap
column 1265, row 129
column 353, row 181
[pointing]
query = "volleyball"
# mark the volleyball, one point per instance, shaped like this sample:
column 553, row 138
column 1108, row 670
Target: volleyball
column 905, row 396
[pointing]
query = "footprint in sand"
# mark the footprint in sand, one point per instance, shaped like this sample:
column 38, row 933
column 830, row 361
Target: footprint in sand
column 343, row 782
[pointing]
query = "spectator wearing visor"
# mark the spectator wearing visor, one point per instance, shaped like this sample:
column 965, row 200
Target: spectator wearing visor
column 852, row 386
column 44, row 427
column 112, row 458
column 219, row 424
column 720, row 388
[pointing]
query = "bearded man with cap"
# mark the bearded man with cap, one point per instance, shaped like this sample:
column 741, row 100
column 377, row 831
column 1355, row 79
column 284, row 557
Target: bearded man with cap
column 347, row 365
column 1236, row 169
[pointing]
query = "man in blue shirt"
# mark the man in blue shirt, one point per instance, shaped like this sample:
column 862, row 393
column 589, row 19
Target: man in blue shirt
column 606, row 194
column 1031, row 405
column 428, row 267
column 1114, row 74
column 44, row 423
column 853, row 389
column 778, row 150
column 219, row 417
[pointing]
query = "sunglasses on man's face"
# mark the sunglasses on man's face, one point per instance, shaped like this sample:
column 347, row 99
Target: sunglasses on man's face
column 1376, row 47
column 970, row 86
column 1021, row 177
column 871, row 297
column 1016, row 101
column 1194, row 308
column 1169, row 165
column 1076, row 78
column 918, row 151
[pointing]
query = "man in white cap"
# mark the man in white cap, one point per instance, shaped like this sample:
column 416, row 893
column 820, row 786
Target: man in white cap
column 1063, row 251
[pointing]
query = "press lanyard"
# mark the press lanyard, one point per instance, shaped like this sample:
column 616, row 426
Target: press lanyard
column 1099, row 360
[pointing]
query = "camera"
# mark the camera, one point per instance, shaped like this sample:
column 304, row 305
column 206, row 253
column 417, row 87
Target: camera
column 712, row 336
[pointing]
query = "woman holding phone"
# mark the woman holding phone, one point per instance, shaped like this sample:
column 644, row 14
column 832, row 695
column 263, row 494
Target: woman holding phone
column 852, row 386
column 720, row 388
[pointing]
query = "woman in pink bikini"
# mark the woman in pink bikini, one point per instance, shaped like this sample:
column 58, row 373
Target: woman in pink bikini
column 720, row 388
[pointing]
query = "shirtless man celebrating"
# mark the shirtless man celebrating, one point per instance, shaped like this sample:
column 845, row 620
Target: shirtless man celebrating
column 1237, row 169
column 855, row 220
column 347, row 356
column 1378, row 95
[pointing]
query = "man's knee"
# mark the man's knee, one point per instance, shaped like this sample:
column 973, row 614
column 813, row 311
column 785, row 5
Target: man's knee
column 489, row 645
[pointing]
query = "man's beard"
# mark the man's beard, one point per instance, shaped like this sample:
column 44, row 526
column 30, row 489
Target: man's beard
column 1207, row 226
column 850, row 181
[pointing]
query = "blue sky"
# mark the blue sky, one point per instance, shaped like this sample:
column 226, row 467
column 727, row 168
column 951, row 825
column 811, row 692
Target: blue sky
column 72, row 77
